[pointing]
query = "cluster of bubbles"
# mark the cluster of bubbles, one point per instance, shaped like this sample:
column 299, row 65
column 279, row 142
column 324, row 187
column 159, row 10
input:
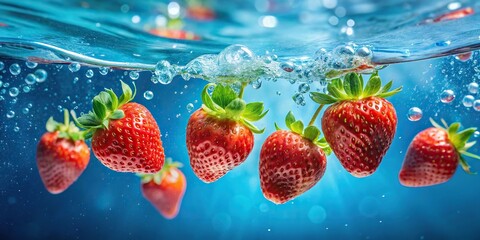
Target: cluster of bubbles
column 469, row 100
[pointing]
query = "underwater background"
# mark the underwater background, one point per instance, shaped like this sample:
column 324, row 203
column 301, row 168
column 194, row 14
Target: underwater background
column 107, row 204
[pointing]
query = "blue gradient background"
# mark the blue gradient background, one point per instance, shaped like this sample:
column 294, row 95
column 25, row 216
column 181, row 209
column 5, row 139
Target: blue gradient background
column 106, row 204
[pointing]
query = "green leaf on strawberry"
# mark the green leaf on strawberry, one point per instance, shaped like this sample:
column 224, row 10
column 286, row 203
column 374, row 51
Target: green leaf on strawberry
column 310, row 132
column 67, row 129
column 351, row 88
column 459, row 139
column 105, row 108
column 224, row 103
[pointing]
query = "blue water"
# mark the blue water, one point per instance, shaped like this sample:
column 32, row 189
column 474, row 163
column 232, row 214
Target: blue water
column 107, row 204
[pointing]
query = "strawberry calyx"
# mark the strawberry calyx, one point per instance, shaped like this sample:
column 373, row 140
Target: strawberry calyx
column 67, row 129
column 459, row 139
column 224, row 103
column 105, row 108
column 351, row 88
column 310, row 132
column 158, row 177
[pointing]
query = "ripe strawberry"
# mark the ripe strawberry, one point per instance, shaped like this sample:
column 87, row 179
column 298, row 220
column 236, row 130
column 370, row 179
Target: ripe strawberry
column 62, row 155
column 361, row 124
column 434, row 154
column 219, row 135
column 165, row 189
column 125, row 136
column 292, row 162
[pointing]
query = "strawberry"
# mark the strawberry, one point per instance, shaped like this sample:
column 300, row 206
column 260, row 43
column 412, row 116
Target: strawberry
column 219, row 135
column 434, row 154
column 361, row 124
column 62, row 155
column 165, row 189
column 292, row 162
column 125, row 136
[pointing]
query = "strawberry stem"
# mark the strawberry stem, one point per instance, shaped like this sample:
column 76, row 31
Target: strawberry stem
column 315, row 115
column 242, row 88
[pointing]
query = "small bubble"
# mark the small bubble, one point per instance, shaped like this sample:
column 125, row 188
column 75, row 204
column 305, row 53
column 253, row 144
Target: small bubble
column 257, row 83
column 1, row 83
column 148, row 95
column 30, row 79
column 443, row 43
column 234, row 55
column 75, row 80
column 89, row 73
column 473, row 88
column 16, row 129
column 25, row 110
column 298, row 98
column 447, row 96
column 476, row 134
column 74, row 66
column 26, row 89
column 287, row 66
column 6, row 85
column 468, row 101
column 41, row 75
column 414, row 114
column 103, row 70
column 10, row 114
column 29, row 105
column 15, row 69
column 13, row 92
column 134, row 75
column 364, row 52
column 31, row 65
column 476, row 105
column 303, row 88
column 190, row 107
column 279, row 93
column 2, row 65
column 178, row 115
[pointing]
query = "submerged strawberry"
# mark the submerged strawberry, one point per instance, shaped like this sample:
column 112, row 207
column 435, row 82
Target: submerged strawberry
column 292, row 161
column 125, row 136
column 434, row 154
column 361, row 124
column 219, row 135
column 62, row 155
column 165, row 189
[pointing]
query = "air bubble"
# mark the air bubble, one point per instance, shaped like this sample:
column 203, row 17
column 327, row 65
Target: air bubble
column 89, row 73
column 74, row 66
column 10, row 114
column 476, row 134
column 15, row 69
column 25, row 110
column 26, row 89
column 13, row 92
column 299, row 99
column 344, row 50
column 476, row 105
column 233, row 55
column 103, row 70
column 303, row 88
column 148, row 95
column 41, row 75
column 364, row 52
column 447, row 96
column 414, row 114
column 164, row 72
column 133, row 75
column 31, row 65
column 287, row 66
column 257, row 83
column 30, row 79
column 2, row 65
column 75, row 80
column 190, row 107
column 473, row 88
column 468, row 101
column 16, row 129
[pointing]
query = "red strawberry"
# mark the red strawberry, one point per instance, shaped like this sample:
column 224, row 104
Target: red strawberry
column 434, row 154
column 291, row 162
column 361, row 124
column 126, row 137
column 165, row 189
column 219, row 135
column 62, row 155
